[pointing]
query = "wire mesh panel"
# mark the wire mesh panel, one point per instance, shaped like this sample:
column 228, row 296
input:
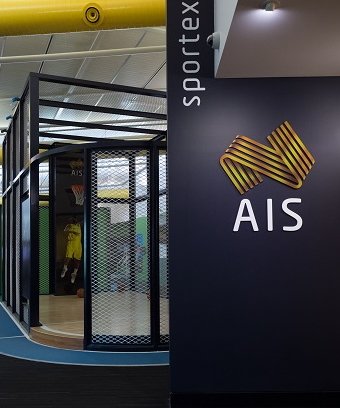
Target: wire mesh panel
column 25, row 259
column 10, row 244
column 163, row 249
column 120, row 275
column 44, row 229
column 17, row 244
column 44, row 253
column 5, row 246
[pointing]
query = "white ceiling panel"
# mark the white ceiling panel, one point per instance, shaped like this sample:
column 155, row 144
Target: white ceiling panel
column 118, row 39
column 67, row 68
column 153, row 38
column 72, row 42
column 86, row 99
column 107, row 118
column 26, row 45
column 140, row 103
column 159, row 80
column 72, row 115
column 102, row 69
column 47, row 112
column 115, row 100
column 14, row 76
column 143, row 103
column 139, row 69
column 2, row 45
column 49, row 90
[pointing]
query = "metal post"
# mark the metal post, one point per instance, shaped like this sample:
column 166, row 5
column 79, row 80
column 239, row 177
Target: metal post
column 8, row 219
column 16, row 146
column 52, row 224
column 14, row 246
column 2, row 283
column 3, row 230
column 88, row 220
column 22, row 146
column 7, row 244
column 34, row 200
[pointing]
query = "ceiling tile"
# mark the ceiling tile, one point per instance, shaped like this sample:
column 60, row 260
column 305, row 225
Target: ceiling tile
column 2, row 46
column 54, row 91
column 159, row 80
column 139, row 69
column 118, row 39
column 153, row 38
column 14, row 76
column 67, row 68
column 26, row 45
column 102, row 69
column 70, row 42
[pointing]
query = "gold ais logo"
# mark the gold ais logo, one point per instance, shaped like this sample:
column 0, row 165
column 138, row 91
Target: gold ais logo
column 287, row 161
column 77, row 167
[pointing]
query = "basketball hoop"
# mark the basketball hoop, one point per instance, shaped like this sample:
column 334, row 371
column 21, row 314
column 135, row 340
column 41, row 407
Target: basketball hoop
column 78, row 191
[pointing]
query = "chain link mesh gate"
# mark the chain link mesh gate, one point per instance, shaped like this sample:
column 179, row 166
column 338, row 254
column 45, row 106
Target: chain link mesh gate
column 119, row 234
column 163, row 248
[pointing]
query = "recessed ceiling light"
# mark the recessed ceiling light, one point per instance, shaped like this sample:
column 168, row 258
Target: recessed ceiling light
column 270, row 5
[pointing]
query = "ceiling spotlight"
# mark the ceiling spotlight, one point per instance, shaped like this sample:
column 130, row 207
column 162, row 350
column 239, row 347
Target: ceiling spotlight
column 270, row 5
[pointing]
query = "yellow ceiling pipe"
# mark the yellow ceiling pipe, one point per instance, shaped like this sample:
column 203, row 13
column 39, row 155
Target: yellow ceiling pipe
column 25, row 17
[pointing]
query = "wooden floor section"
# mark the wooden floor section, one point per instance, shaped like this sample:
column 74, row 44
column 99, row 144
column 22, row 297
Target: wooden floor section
column 62, row 319
column 125, row 313
column 63, row 314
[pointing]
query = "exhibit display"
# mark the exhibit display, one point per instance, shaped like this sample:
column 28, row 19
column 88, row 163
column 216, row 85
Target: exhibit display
column 85, row 204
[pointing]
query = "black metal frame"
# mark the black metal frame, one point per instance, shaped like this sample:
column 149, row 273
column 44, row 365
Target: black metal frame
column 14, row 154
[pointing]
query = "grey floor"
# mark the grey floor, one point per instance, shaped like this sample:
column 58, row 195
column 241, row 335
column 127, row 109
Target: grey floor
column 40, row 385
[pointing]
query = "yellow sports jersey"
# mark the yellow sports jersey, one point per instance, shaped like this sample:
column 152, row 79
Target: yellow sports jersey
column 74, row 232
column 74, row 247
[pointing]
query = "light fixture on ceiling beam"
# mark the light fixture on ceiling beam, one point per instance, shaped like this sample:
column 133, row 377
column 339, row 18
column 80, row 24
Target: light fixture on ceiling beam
column 270, row 5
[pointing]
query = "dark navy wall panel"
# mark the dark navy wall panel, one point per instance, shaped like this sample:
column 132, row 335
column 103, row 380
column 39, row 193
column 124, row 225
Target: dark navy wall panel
column 251, row 311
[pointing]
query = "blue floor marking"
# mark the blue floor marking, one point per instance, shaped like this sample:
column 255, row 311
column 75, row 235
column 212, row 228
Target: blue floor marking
column 13, row 343
column 7, row 327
